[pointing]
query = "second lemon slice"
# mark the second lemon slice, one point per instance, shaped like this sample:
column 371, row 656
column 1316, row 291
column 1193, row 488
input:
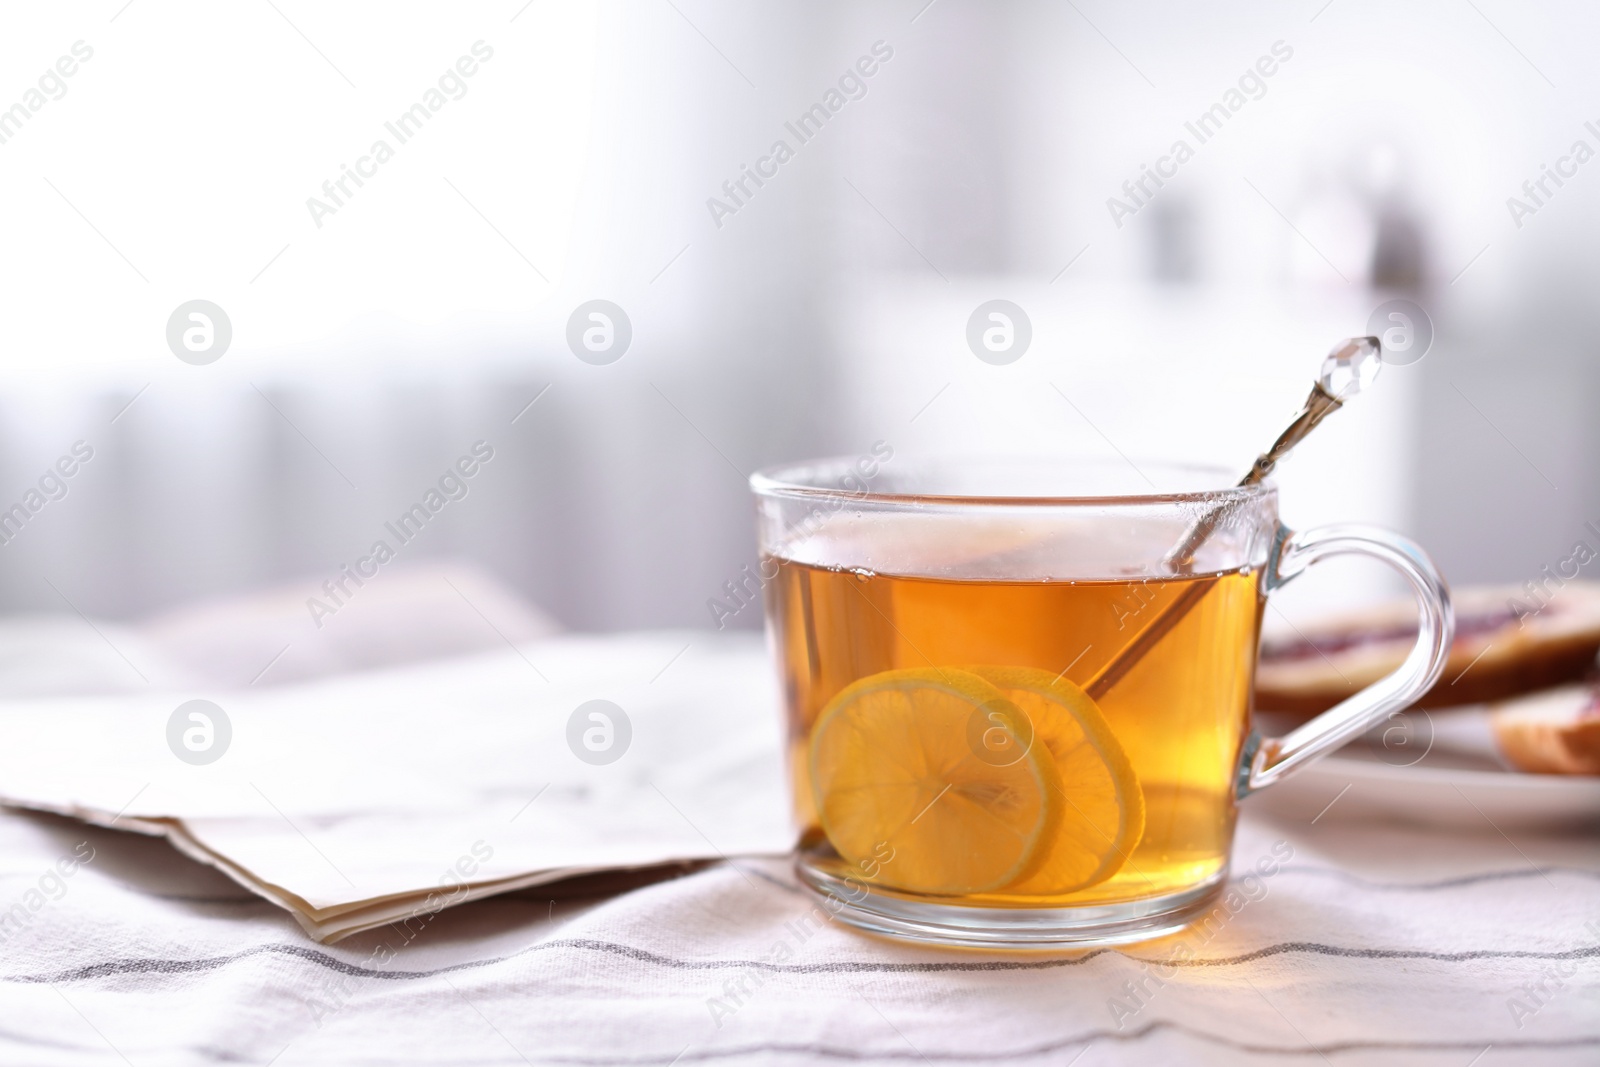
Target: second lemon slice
column 1103, row 805
column 894, row 773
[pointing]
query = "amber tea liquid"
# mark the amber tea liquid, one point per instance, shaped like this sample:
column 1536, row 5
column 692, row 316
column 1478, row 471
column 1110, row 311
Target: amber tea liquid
column 1180, row 714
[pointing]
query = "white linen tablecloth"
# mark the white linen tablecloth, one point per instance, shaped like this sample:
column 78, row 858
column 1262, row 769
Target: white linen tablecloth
column 1370, row 945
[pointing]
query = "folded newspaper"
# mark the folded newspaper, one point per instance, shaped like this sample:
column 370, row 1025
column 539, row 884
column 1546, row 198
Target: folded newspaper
column 373, row 797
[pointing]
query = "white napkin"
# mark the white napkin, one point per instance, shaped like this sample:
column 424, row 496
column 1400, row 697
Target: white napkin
column 357, row 800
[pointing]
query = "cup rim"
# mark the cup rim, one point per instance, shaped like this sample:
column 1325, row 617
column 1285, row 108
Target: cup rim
column 799, row 481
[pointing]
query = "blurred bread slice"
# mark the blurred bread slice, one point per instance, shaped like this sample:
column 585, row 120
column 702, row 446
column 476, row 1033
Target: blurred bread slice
column 1499, row 651
column 1556, row 732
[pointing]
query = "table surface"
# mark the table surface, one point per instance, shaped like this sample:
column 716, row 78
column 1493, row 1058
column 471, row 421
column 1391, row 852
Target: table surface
column 1372, row 944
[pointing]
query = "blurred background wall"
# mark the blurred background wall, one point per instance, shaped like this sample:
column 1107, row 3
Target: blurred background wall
column 815, row 313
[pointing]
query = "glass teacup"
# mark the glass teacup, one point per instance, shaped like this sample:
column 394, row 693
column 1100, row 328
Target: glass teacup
column 1014, row 718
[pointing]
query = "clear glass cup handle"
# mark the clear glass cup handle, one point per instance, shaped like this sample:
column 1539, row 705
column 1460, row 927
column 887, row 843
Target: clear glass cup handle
column 1267, row 760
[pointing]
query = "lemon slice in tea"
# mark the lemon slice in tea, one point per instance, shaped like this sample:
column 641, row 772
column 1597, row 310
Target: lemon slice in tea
column 1103, row 806
column 900, row 788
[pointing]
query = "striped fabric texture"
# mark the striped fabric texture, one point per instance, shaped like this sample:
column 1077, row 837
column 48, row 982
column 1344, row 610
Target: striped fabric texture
column 1366, row 945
